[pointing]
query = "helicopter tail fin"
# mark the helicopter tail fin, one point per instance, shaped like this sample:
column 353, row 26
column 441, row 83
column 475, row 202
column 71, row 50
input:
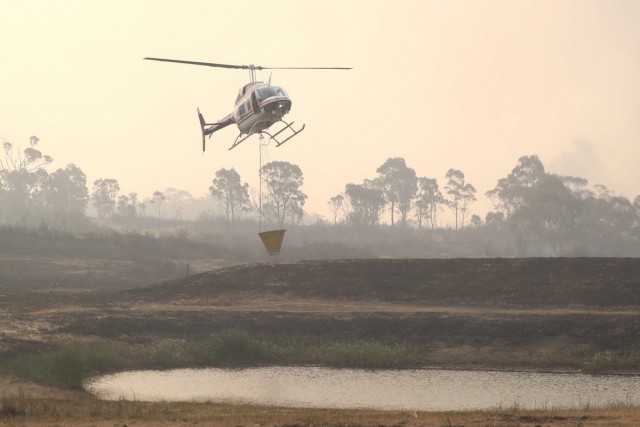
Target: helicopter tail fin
column 209, row 128
column 202, row 124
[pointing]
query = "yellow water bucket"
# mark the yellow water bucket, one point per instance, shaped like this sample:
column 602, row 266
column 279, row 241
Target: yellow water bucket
column 272, row 240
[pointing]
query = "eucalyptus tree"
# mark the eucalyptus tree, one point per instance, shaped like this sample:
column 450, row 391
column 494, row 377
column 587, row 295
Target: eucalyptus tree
column 428, row 202
column 284, row 198
column 364, row 203
column 550, row 213
column 399, row 185
column 158, row 199
column 104, row 196
column 231, row 194
column 461, row 194
column 127, row 205
column 66, row 190
column 512, row 192
column 23, row 175
column 336, row 204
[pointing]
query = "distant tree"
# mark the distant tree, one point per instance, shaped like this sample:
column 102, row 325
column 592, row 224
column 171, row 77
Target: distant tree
column 177, row 200
column 133, row 204
column 295, row 211
column 23, row 175
column 127, row 205
column 66, row 190
column 30, row 159
column 104, row 196
column 550, row 213
column 428, row 201
column 577, row 185
column 512, row 192
column 336, row 205
column 230, row 193
column 461, row 194
column 636, row 222
column 142, row 208
column 399, row 185
column 615, row 214
column 602, row 192
column 494, row 219
column 475, row 220
column 468, row 197
column 157, row 200
column 284, row 197
column 365, row 203
column 555, row 215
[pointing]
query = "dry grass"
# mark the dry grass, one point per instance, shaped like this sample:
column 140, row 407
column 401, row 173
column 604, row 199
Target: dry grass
column 88, row 411
column 26, row 404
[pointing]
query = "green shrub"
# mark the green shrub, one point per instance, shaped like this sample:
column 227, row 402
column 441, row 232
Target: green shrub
column 608, row 360
column 231, row 347
column 165, row 356
column 366, row 354
column 66, row 367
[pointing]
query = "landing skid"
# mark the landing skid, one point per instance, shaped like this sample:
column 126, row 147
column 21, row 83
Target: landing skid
column 287, row 126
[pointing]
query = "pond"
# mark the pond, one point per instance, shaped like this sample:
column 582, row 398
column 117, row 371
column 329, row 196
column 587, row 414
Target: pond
column 410, row 389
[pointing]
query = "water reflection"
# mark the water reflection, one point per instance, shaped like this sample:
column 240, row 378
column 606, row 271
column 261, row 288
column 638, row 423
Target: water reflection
column 420, row 389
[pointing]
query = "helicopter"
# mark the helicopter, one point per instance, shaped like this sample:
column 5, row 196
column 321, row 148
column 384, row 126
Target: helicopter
column 258, row 106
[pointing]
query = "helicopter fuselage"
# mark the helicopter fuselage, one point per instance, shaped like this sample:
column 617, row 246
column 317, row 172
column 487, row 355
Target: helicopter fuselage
column 259, row 105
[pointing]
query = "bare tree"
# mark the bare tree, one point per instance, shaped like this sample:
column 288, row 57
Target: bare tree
column 30, row 159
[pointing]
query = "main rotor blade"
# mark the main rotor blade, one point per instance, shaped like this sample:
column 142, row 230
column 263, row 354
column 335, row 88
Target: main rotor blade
column 244, row 67
column 305, row 68
column 206, row 64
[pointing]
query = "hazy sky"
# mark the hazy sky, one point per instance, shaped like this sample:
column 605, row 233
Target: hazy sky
column 471, row 85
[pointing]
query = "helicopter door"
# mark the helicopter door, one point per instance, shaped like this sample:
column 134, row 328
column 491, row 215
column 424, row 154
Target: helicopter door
column 254, row 103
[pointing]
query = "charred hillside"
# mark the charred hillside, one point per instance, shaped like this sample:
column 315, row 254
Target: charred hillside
column 506, row 282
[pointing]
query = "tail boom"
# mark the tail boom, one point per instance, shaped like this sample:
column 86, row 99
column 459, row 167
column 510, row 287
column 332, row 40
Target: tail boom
column 209, row 128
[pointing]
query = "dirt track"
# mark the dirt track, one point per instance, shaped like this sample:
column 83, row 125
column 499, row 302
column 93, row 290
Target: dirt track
column 535, row 313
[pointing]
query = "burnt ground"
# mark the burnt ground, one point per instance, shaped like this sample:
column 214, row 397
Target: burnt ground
column 534, row 313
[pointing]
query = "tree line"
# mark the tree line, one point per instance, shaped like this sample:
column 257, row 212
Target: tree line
column 398, row 190
column 30, row 194
column 545, row 213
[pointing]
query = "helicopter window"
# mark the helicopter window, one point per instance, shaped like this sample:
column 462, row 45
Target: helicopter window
column 241, row 110
column 279, row 91
column 266, row 92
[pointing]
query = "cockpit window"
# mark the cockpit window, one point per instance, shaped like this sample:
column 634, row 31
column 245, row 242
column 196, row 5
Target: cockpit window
column 266, row 92
column 279, row 91
column 269, row 91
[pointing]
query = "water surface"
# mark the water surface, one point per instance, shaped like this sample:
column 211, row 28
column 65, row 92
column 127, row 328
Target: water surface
column 411, row 389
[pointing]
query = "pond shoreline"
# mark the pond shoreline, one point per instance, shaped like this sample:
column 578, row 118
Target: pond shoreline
column 396, row 389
